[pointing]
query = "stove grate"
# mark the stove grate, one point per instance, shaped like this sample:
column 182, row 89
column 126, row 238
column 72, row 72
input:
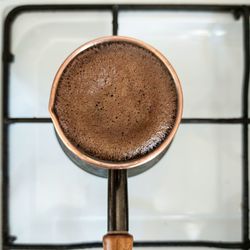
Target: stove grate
column 8, row 241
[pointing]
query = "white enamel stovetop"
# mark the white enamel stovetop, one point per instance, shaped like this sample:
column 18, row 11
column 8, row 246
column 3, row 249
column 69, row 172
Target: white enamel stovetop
column 194, row 193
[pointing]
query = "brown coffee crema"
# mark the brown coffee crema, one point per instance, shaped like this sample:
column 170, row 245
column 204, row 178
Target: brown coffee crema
column 116, row 101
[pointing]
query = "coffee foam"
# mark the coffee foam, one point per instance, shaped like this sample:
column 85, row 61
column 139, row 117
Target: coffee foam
column 116, row 101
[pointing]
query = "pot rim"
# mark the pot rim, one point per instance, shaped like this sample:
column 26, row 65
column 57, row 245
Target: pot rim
column 123, row 164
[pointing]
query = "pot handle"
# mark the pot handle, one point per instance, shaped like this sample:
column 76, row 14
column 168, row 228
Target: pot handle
column 118, row 241
column 117, row 237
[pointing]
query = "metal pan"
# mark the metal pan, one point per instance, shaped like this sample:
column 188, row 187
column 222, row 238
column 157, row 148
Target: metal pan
column 117, row 237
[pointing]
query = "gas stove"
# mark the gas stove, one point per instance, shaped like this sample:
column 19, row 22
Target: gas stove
column 196, row 196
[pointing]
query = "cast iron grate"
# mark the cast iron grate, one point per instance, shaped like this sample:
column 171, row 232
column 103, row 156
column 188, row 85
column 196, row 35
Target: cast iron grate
column 7, row 57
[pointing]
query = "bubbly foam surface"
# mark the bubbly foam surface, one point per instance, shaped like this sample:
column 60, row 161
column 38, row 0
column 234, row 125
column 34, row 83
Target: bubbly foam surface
column 116, row 101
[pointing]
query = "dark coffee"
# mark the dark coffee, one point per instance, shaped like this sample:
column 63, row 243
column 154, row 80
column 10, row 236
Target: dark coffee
column 116, row 101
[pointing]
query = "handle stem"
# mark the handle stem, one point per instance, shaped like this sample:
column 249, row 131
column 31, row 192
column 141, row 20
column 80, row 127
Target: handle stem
column 117, row 201
column 117, row 237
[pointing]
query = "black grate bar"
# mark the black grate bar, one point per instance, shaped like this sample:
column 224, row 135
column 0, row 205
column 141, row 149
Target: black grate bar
column 213, row 121
column 183, row 121
column 6, row 57
column 77, row 7
column 181, row 7
column 56, row 246
column 245, row 182
column 115, row 20
column 5, row 186
column 212, row 244
column 27, row 120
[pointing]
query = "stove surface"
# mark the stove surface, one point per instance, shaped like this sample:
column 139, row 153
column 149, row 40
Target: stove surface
column 193, row 194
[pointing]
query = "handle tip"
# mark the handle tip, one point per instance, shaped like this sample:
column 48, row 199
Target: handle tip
column 117, row 242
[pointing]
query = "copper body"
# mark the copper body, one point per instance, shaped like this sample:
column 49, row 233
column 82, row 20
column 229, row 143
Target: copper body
column 117, row 237
column 144, row 160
